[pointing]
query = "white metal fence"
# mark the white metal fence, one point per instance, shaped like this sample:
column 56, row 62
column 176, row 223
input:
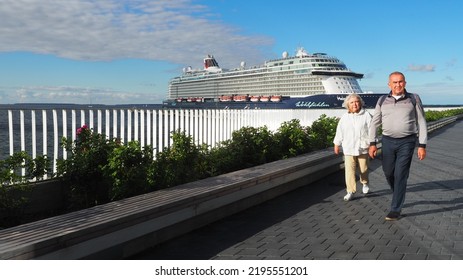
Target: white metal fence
column 39, row 132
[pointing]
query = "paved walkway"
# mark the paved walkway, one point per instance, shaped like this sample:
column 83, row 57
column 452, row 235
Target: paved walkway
column 314, row 222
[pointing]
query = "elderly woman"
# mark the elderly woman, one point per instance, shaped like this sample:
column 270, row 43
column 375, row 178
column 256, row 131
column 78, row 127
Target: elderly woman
column 352, row 137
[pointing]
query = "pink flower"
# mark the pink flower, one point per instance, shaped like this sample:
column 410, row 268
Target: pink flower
column 80, row 129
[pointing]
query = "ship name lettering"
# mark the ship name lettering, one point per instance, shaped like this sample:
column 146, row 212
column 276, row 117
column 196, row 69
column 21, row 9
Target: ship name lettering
column 311, row 104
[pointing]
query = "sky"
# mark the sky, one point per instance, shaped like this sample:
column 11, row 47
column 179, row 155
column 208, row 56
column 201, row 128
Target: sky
column 125, row 52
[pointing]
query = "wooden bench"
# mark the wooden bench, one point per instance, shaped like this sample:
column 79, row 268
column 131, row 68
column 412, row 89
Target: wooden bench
column 126, row 227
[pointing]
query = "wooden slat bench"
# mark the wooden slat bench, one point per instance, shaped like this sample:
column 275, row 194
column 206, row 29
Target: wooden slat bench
column 126, row 227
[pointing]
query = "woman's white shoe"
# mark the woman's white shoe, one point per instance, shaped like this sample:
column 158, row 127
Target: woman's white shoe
column 348, row 196
column 365, row 189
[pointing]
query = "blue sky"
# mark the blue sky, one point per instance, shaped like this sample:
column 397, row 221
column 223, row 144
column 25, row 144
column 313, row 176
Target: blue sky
column 122, row 52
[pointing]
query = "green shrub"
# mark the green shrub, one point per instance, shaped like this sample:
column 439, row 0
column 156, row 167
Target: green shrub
column 220, row 160
column 127, row 170
column 250, row 146
column 180, row 163
column 292, row 139
column 82, row 171
column 322, row 132
column 16, row 173
column 437, row 115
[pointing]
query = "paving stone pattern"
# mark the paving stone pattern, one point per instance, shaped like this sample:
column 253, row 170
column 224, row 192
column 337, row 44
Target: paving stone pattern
column 313, row 222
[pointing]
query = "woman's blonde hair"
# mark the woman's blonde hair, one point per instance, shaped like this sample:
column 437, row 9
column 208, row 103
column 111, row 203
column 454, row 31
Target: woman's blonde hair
column 352, row 95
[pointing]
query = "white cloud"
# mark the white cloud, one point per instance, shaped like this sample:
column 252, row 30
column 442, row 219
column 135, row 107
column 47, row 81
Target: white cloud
column 421, row 68
column 175, row 31
column 65, row 94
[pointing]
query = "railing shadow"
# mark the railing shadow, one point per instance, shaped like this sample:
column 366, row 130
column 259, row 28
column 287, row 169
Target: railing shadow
column 443, row 203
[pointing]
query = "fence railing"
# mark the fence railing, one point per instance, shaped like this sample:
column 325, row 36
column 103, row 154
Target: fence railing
column 39, row 132
column 432, row 126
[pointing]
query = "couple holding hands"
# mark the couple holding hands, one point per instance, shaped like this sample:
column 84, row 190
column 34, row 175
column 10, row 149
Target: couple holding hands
column 401, row 116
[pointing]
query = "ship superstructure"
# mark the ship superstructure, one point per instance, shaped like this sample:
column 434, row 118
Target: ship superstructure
column 297, row 77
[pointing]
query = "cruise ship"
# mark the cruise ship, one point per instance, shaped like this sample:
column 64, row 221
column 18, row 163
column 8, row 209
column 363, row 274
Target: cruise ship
column 302, row 81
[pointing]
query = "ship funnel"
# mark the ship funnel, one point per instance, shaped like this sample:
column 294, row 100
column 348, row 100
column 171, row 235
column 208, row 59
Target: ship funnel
column 210, row 61
column 210, row 64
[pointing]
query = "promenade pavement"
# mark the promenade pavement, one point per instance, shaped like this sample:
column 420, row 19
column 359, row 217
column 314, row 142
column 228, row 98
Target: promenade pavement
column 313, row 222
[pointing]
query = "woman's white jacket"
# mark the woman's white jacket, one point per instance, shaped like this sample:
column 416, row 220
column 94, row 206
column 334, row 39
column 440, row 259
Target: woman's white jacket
column 352, row 133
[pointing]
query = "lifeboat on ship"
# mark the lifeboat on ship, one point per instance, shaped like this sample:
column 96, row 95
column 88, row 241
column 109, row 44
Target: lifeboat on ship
column 275, row 98
column 240, row 98
column 191, row 99
column 180, row 99
column 255, row 98
column 265, row 98
column 225, row 98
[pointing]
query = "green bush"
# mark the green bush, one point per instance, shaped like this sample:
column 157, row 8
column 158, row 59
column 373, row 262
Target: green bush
column 82, row 171
column 127, row 170
column 16, row 173
column 180, row 163
column 292, row 139
column 250, row 146
column 437, row 115
column 322, row 132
